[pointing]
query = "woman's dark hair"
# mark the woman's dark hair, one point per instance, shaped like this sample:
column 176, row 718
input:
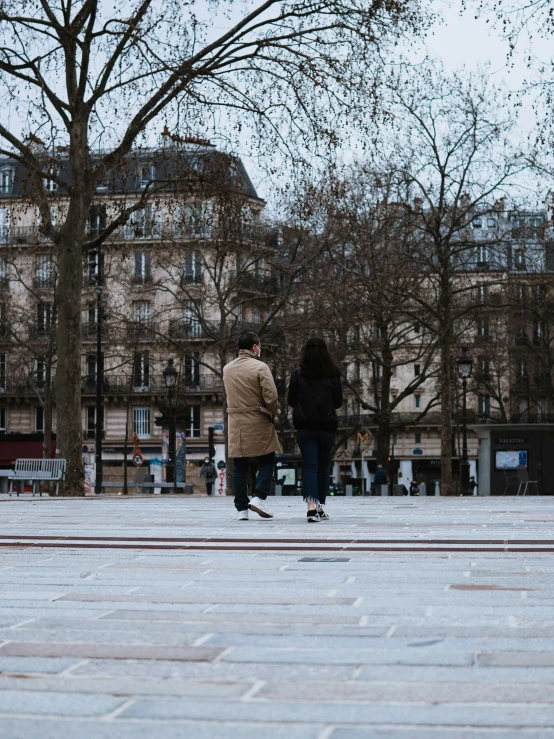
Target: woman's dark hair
column 316, row 360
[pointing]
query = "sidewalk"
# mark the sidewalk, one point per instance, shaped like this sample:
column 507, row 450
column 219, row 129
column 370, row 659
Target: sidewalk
column 162, row 617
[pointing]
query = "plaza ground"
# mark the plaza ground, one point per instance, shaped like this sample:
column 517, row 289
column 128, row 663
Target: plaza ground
column 162, row 617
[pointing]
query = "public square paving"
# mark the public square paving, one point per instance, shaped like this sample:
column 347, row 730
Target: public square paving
column 163, row 617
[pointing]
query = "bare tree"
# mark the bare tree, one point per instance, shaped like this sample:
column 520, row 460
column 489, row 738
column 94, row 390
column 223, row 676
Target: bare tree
column 76, row 77
column 454, row 165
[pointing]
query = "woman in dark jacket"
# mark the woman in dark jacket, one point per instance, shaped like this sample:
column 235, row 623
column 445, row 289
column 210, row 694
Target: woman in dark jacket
column 315, row 392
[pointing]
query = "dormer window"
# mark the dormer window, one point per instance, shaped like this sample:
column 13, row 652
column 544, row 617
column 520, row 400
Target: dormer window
column 49, row 184
column 146, row 175
column 477, row 223
column 6, row 180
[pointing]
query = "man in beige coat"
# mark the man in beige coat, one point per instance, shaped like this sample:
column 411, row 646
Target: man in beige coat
column 251, row 405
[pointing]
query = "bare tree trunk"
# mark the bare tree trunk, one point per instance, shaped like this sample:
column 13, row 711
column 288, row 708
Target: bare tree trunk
column 446, row 416
column 47, row 442
column 126, row 446
column 69, row 290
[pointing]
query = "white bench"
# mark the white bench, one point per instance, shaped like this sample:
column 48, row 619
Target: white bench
column 36, row 471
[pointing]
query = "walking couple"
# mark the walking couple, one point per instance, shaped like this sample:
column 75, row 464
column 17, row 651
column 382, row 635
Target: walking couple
column 315, row 392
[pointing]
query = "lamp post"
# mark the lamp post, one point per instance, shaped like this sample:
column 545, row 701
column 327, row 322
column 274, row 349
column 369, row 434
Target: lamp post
column 465, row 365
column 99, row 381
column 170, row 379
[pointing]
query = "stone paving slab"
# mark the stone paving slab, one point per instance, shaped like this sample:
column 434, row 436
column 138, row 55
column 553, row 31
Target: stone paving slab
column 299, row 641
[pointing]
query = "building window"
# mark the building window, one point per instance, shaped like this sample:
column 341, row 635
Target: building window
column 491, row 223
column 483, row 255
column 141, row 371
column 191, row 321
column 193, row 266
column 143, row 261
column 537, row 332
column 417, row 328
column 50, row 185
column 477, row 223
column 192, row 370
column 542, row 407
column 39, row 418
column 95, row 267
column 192, row 421
column 484, row 370
column 90, row 377
column 91, row 422
column 142, row 311
column 524, row 410
column 522, row 369
column 3, row 415
column 141, row 422
column 519, row 259
column 482, row 327
column 147, row 175
column 144, row 224
column 377, row 370
column 44, row 317
column 39, row 373
column 6, row 180
column 44, row 273
column 417, row 401
column 4, row 225
column 417, row 439
column 199, row 220
column 417, row 370
column 484, row 406
column 97, row 219
column 2, row 372
column 482, row 294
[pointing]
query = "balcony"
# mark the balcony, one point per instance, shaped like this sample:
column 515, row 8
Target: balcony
column 120, row 384
column 44, row 282
column 149, row 231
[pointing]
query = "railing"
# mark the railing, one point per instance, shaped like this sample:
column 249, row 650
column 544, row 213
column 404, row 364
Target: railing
column 149, row 231
column 121, row 384
column 44, row 281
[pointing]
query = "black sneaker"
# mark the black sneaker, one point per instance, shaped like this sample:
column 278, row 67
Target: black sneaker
column 312, row 516
column 322, row 515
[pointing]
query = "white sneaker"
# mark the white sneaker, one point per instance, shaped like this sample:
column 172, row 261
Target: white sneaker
column 259, row 506
column 242, row 516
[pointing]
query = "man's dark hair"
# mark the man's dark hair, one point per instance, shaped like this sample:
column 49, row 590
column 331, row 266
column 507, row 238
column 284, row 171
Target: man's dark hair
column 316, row 360
column 247, row 340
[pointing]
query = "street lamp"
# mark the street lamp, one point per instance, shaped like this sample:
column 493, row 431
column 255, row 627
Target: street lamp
column 99, row 381
column 170, row 379
column 465, row 365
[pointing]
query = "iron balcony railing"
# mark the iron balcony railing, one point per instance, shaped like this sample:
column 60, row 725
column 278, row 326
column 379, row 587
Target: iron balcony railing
column 142, row 231
column 155, row 383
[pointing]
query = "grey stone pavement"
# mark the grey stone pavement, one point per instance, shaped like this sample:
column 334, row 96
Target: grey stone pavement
column 416, row 618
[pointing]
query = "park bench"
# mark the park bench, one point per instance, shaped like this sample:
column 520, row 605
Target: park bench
column 37, row 471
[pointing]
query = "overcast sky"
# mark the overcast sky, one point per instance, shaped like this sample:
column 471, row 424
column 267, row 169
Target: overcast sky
column 459, row 39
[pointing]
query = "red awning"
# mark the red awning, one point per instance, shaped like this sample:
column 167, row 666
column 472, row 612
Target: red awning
column 12, row 450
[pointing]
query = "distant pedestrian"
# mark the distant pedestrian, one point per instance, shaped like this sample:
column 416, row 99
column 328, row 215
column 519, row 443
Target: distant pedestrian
column 252, row 403
column 414, row 487
column 315, row 393
column 472, row 485
column 209, row 473
column 379, row 479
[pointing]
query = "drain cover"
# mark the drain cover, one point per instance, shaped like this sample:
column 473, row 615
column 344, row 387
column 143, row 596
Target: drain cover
column 325, row 559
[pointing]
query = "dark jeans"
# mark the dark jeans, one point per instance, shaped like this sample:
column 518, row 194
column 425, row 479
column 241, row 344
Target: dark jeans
column 209, row 486
column 263, row 479
column 316, row 448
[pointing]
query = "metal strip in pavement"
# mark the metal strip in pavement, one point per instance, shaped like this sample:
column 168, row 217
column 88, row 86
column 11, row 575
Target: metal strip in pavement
column 224, row 540
column 261, row 548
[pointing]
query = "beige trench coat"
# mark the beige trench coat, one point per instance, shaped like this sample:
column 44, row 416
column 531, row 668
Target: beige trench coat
column 251, row 404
